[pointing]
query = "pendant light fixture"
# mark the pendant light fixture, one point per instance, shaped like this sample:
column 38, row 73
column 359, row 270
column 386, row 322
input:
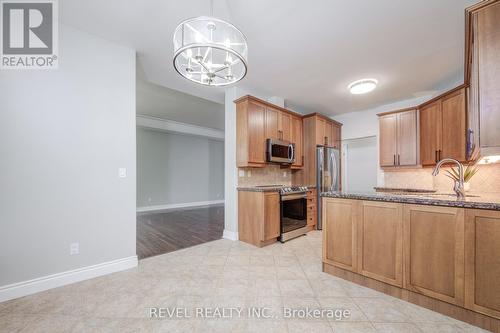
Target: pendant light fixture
column 210, row 51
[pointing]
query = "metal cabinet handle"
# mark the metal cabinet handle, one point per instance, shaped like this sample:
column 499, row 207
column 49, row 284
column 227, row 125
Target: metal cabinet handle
column 436, row 156
column 399, row 161
column 394, row 159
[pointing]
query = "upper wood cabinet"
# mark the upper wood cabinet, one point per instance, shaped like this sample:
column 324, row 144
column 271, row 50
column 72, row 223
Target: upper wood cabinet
column 298, row 139
column 482, row 262
column 258, row 120
column 336, row 137
column 250, row 133
column 398, row 138
column 443, row 128
column 482, row 72
column 318, row 130
column 434, row 251
column 278, row 124
column 271, row 121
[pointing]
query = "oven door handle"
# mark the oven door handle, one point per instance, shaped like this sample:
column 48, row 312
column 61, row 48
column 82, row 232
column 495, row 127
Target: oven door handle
column 293, row 197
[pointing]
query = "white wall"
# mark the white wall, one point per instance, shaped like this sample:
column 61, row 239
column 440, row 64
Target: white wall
column 362, row 124
column 174, row 168
column 63, row 136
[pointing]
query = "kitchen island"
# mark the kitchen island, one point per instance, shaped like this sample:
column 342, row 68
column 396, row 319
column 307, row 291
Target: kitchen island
column 429, row 249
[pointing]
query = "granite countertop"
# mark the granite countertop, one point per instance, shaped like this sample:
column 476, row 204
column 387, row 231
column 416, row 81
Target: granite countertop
column 489, row 201
column 268, row 188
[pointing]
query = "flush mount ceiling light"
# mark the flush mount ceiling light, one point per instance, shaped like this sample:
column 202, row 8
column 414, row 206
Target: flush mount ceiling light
column 210, row 51
column 362, row 86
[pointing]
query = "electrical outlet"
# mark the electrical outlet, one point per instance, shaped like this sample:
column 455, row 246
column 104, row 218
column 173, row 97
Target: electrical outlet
column 74, row 249
column 284, row 173
column 241, row 173
column 122, row 172
column 249, row 173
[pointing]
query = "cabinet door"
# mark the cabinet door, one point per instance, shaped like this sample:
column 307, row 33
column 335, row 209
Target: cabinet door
column 336, row 137
column 407, row 138
column 380, row 242
column 256, row 135
column 272, row 116
column 482, row 261
column 285, row 126
column 388, row 142
column 297, row 139
column 434, row 252
column 272, row 216
column 329, row 133
column 339, row 232
column 488, row 40
column 453, row 140
column 430, row 133
column 320, row 131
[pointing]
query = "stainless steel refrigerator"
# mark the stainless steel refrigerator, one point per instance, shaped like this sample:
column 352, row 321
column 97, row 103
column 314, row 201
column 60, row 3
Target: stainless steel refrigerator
column 327, row 174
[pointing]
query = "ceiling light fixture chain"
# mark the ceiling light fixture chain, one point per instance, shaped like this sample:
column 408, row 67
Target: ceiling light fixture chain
column 210, row 51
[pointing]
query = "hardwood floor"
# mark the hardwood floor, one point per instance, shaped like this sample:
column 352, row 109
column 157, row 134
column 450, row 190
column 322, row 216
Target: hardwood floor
column 162, row 232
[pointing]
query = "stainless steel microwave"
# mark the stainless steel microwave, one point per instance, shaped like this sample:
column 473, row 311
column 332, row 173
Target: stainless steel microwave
column 278, row 151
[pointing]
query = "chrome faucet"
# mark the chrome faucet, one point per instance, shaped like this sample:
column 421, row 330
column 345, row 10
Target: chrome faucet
column 459, row 184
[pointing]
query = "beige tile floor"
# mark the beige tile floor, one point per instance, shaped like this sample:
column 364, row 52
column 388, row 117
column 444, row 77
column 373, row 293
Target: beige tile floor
column 220, row 274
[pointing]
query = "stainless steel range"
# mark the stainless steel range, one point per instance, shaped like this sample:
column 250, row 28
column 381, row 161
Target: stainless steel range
column 293, row 212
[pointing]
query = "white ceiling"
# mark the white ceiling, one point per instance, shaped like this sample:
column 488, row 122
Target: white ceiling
column 305, row 51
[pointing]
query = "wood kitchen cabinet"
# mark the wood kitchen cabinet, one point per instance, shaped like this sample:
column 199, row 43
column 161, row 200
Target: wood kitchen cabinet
column 434, row 251
column 482, row 261
column 398, row 138
column 442, row 258
column 311, row 208
column 258, row 217
column 250, row 133
column 482, row 72
column 380, row 241
column 278, row 124
column 340, row 225
column 257, row 121
column 318, row 130
column 443, row 128
column 298, row 140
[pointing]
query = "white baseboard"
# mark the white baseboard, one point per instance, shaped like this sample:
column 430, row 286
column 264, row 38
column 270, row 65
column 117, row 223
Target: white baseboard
column 231, row 235
column 29, row 287
column 179, row 205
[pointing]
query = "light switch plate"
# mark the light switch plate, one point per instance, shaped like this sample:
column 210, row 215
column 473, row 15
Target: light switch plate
column 249, row 173
column 74, row 249
column 241, row 173
column 122, row 172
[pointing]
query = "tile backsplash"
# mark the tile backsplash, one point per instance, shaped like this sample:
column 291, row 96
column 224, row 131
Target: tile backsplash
column 269, row 175
column 486, row 180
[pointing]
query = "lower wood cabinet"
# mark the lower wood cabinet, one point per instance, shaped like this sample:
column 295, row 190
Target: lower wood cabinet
column 482, row 261
column 258, row 217
column 380, row 242
column 311, row 208
column 434, row 251
column 340, row 219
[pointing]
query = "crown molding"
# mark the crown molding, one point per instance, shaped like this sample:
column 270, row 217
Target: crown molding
column 178, row 127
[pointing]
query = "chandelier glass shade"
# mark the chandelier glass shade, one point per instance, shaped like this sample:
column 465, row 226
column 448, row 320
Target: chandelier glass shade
column 210, row 51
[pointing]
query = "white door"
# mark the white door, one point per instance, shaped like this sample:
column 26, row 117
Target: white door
column 359, row 164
